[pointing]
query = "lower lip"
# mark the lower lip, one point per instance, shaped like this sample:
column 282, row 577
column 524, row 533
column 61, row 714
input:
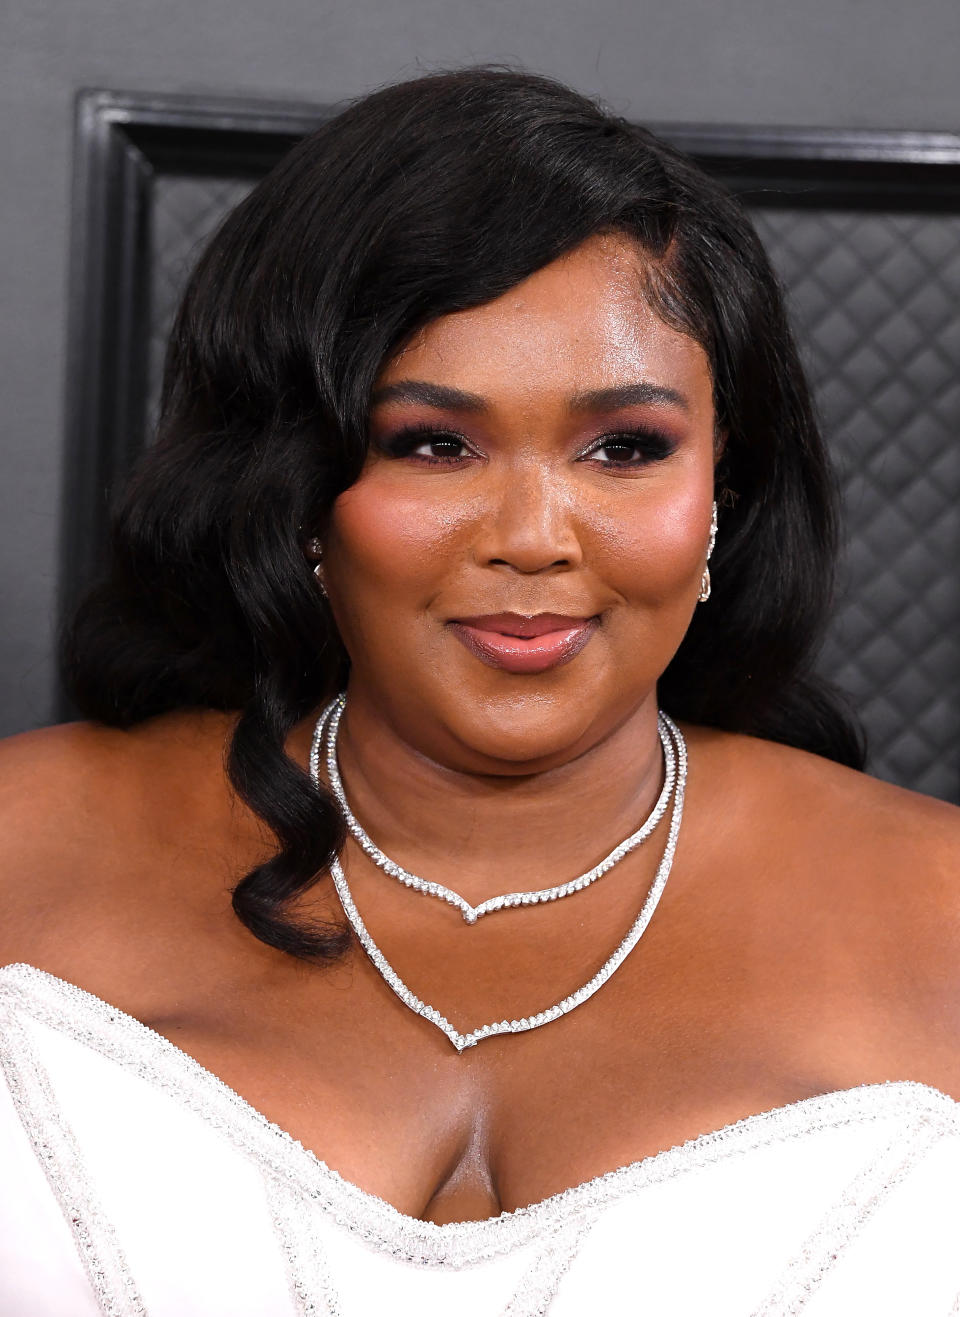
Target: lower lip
column 525, row 654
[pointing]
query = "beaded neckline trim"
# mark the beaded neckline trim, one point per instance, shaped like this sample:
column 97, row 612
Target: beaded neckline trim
column 136, row 1047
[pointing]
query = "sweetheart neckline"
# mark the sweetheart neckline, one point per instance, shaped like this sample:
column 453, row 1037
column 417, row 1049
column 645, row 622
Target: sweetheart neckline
column 157, row 1060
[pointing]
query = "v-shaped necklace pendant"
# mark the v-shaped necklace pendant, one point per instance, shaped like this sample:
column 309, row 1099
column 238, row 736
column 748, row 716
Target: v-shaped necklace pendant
column 330, row 719
column 462, row 1041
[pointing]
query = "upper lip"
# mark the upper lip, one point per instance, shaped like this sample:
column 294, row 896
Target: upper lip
column 524, row 625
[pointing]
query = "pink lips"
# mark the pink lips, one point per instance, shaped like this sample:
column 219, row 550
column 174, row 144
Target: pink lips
column 524, row 644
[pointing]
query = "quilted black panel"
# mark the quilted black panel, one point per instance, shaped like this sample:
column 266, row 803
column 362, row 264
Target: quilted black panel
column 184, row 212
column 876, row 300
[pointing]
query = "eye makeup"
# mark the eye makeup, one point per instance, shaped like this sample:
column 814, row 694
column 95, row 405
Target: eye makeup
column 627, row 447
column 630, row 446
column 451, row 446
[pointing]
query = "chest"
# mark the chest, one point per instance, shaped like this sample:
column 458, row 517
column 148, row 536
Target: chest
column 702, row 1025
column 385, row 1100
column 191, row 1204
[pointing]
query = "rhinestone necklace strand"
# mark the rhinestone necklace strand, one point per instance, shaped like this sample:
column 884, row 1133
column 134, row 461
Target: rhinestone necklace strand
column 330, row 718
column 462, row 1041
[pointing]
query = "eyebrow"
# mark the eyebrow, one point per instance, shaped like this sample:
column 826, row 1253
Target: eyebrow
column 443, row 397
column 627, row 395
column 428, row 395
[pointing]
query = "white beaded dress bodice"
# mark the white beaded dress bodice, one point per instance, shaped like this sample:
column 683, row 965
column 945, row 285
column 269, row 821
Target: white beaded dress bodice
column 135, row 1182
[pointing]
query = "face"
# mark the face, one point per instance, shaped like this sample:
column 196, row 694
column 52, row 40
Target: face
column 521, row 555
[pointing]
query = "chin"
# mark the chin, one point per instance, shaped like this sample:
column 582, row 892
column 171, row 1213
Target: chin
column 528, row 731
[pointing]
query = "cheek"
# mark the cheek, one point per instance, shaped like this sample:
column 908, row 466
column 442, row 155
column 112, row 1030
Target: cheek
column 654, row 556
column 385, row 543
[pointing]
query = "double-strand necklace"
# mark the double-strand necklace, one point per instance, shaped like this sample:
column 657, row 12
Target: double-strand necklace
column 410, row 999
column 471, row 913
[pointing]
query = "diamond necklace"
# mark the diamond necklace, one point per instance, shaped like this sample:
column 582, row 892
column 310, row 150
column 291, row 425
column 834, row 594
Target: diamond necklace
column 330, row 718
column 461, row 1041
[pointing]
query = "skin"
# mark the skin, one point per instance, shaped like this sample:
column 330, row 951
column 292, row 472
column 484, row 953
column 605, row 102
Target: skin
column 808, row 939
column 531, row 516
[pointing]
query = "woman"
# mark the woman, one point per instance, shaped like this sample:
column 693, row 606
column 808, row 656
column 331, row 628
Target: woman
column 457, row 406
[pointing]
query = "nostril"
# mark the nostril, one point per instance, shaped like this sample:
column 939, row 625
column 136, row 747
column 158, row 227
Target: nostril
column 530, row 571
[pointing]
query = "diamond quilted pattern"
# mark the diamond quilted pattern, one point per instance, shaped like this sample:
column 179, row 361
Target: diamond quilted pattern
column 876, row 300
column 874, row 297
column 185, row 209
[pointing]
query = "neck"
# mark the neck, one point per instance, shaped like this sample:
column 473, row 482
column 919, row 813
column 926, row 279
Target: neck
column 493, row 831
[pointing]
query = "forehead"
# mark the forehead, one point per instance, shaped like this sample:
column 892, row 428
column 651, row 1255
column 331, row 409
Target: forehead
column 579, row 324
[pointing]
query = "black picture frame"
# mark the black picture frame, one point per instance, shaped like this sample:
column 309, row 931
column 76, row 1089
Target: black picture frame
column 122, row 142
column 125, row 140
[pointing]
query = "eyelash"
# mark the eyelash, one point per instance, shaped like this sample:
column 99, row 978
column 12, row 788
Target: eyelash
column 654, row 445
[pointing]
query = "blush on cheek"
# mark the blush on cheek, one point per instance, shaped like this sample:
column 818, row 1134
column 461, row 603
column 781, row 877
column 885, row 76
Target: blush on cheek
column 654, row 558
column 382, row 537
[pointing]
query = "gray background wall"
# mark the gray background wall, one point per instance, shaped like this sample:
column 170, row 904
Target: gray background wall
column 830, row 63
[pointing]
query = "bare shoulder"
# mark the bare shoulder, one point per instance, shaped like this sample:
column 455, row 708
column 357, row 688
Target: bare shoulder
column 50, row 780
column 840, row 810
column 51, row 783
column 860, row 883
column 90, row 814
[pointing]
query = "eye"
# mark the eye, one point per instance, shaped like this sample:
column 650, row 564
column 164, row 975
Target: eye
column 440, row 446
column 427, row 445
column 629, row 448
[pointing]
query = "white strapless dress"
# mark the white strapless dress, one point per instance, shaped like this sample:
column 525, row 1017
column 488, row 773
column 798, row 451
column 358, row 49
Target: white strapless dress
column 132, row 1181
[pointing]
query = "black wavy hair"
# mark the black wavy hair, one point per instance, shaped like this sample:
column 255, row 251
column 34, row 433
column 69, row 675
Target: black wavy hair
column 424, row 198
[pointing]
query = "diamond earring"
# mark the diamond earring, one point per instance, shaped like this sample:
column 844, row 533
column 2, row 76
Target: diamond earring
column 315, row 550
column 704, row 594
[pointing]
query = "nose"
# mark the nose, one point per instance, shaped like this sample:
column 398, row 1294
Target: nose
column 529, row 524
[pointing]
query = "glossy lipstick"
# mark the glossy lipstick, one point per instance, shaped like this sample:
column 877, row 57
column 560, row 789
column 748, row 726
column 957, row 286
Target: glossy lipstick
column 518, row 643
